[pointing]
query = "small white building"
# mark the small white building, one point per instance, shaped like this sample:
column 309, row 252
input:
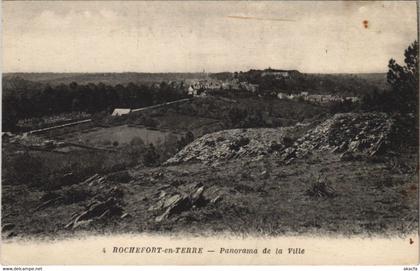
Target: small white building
column 282, row 96
column 191, row 90
column 121, row 111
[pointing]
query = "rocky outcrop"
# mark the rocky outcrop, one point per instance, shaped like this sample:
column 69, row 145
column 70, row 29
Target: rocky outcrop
column 367, row 133
column 236, row 143
column 345, row 134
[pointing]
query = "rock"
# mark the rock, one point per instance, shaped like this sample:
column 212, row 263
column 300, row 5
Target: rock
column 288, row 153
column 212, row 195
column 162, row 194
column 48, row 203
column 174, row 205
column 265, row 174
column 162, row 216
column 336, row 149
column 216, row 199
column 288, row 162
column 78, row 224
column 353, row 146
column 233, row 144
column 125, row 215
column 10, row 234
column 188, row 196
column 95, row 211
column 7, row 227
column 90, row 179
column 171, row 201
column 197, row 194
column 354, row 132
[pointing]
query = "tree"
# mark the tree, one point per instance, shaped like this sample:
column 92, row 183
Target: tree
column 151, row 157
column 10, row 113
column 404, row 81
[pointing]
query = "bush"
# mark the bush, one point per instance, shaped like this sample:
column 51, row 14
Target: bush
column 151, row 157
column 137, row 141
column 149, row 122
column 342, row 107
column 321, row 189
column 185, row 140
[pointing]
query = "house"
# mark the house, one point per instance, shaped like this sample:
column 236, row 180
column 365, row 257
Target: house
column 279, row 73
column 191, row 91
column 197, row 91
column 282, row 96
column 121, row 111
column 231, row 85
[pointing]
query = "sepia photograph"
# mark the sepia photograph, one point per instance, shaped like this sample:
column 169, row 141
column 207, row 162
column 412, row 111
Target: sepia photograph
column 209, row 119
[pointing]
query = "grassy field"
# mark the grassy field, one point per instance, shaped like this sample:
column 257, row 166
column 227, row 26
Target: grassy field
column 257, row 197
column 123, row 135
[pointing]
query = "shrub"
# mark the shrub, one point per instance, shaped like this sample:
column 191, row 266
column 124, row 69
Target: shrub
column 137, row 141
column 342, row 107
column 149, row 122
column 151, row 157
column 320, row 189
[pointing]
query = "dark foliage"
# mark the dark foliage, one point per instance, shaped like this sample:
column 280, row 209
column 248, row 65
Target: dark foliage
column 342, row 107
column 321, row 189
column 295, row 82
column 151, row 157
column 403, row 96
column 24, row 99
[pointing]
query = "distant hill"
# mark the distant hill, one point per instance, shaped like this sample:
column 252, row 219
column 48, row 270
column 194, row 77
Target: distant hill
column 356, row 83
column 377, row 79
column 106, row 78
column 270, row 81
column 344, row 84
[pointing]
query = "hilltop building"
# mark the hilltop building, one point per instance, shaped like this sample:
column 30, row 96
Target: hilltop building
column 279, row 73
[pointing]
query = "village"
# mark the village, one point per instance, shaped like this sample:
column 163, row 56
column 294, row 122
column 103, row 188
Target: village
column 214, row 87
column 203, row 87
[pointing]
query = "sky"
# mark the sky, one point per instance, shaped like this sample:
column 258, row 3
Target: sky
column 191, row 36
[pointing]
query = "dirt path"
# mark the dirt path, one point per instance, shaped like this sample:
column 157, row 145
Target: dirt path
column 159, row 105
column 59, row 126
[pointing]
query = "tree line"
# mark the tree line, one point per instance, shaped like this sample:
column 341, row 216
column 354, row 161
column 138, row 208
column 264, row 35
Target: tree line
column 337, row 84
column 27, row 99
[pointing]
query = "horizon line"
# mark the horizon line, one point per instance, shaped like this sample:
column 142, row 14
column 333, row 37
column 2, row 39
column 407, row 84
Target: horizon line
column 180, row 72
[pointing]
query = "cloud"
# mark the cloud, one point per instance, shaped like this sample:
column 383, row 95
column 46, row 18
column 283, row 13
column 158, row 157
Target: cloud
column 190, row 36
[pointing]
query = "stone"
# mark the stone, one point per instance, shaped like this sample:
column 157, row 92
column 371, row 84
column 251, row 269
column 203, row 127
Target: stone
column 7, row 227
